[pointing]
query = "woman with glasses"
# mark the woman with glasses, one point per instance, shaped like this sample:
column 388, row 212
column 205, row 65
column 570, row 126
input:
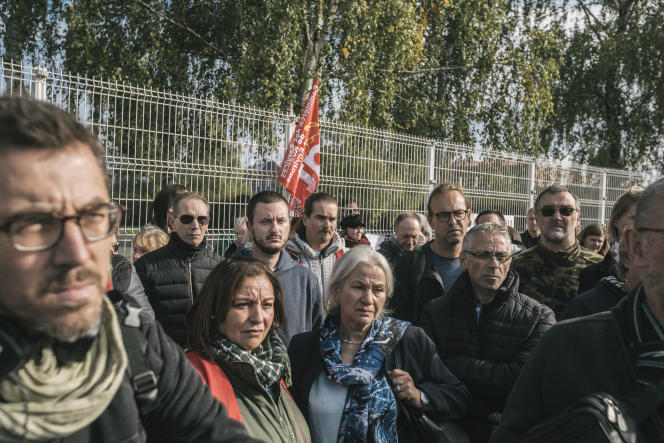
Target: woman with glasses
column 235, row 348
column 346, row 379
column 173, row 275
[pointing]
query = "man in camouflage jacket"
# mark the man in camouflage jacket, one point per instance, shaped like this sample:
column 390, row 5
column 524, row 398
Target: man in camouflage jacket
column 549, row 272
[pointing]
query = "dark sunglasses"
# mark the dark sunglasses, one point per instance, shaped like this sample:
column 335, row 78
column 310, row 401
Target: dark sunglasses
column 202, row 220
column 564, row 211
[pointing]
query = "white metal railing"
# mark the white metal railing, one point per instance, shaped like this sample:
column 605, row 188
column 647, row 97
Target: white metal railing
column 228, row 152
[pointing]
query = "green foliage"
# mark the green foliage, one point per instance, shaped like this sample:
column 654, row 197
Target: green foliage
column 532, row 77
column 609, row 102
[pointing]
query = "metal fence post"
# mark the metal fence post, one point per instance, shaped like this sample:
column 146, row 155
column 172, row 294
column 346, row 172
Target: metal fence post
column 533, row 168
column 602, row 199
column 41, row 74
column 431, row 168
column 291, row 122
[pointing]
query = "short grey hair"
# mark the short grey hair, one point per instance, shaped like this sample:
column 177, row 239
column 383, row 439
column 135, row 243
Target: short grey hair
column 485, row 228
column 362, row 254
column 646, row 203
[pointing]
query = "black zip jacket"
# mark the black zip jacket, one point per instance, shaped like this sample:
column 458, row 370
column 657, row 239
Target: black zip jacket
column 173, row 277
column 416, row 283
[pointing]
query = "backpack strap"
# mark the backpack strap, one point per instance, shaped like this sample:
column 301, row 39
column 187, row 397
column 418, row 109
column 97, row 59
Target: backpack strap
column 143, row 378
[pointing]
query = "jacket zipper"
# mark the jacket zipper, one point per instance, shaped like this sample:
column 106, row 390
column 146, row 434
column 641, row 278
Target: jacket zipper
column 322, row 283
column 191, row 289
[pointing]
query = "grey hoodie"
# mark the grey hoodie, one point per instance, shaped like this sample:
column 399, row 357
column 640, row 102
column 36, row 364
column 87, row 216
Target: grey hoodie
column 302, row 298
column 321, row 265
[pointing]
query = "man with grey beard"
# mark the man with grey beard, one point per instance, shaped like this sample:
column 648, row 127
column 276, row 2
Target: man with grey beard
column 549, row 271
column 67, row 359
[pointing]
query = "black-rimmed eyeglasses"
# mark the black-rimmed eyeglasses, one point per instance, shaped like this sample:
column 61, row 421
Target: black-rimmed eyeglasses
column 39, row 231
column 202, row 220
column 486, row 256
column 444, row 216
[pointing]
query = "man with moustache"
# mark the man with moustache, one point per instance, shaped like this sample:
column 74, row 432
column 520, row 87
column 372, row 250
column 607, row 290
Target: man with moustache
column 173, row 275
column 549, row 271
column 269, row 223
column 484, row 328
column 430, row 270
column 64, row 367
column 617, row 352
column 317, row 245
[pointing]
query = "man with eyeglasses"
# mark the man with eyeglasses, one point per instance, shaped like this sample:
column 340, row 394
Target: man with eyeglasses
column 484, row 328
column 550, row 270
column 430, row 270
column 616, row 352
column 65, row 374
column 174, row 274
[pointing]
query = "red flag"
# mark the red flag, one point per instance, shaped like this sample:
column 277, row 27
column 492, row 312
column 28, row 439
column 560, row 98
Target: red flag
column 301, row 165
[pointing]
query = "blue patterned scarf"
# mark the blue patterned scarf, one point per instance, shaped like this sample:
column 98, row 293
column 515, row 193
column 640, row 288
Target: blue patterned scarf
column 370, row 412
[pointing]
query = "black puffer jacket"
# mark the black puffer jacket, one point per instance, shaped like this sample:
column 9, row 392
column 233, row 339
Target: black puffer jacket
column 416, row 283
column 488, row 354
column 391, row 251
column 173, row 277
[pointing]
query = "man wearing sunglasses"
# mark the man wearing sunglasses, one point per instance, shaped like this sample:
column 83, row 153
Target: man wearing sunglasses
column 484, row 328
column 174, row 274
column 550, row 270
column 65, row 373
column 618, row 352
column 430, row 270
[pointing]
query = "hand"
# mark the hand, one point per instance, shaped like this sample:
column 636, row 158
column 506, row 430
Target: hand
column 404, row 387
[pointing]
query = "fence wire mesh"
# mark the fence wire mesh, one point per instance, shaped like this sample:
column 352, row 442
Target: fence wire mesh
column 228, row 152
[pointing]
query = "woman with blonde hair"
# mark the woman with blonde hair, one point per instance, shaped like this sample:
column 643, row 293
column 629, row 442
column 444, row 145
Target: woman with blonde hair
column 348, row 380
column 147, row 240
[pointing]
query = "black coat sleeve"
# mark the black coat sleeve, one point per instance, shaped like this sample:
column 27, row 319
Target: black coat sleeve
column 306, row 364
column 402, row 303
column 187, row 411
column 449, row 397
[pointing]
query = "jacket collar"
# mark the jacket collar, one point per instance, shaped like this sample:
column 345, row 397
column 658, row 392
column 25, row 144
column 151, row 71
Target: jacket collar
column 462, row 291
column 564, row 258
column 285, row 260
column 182, row 249
column 336, row 244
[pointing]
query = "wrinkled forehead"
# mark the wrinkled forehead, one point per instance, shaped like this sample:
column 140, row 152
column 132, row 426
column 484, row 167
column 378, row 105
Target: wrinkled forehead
column 50, row 179
column 490, row 241
column 192, row 206
column 326, row 208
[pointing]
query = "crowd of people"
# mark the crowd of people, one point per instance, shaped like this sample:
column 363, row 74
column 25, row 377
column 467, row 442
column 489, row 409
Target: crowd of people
column 299, row 332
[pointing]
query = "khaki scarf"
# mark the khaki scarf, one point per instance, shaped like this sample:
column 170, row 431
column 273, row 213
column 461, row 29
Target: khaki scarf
column 54, row 395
